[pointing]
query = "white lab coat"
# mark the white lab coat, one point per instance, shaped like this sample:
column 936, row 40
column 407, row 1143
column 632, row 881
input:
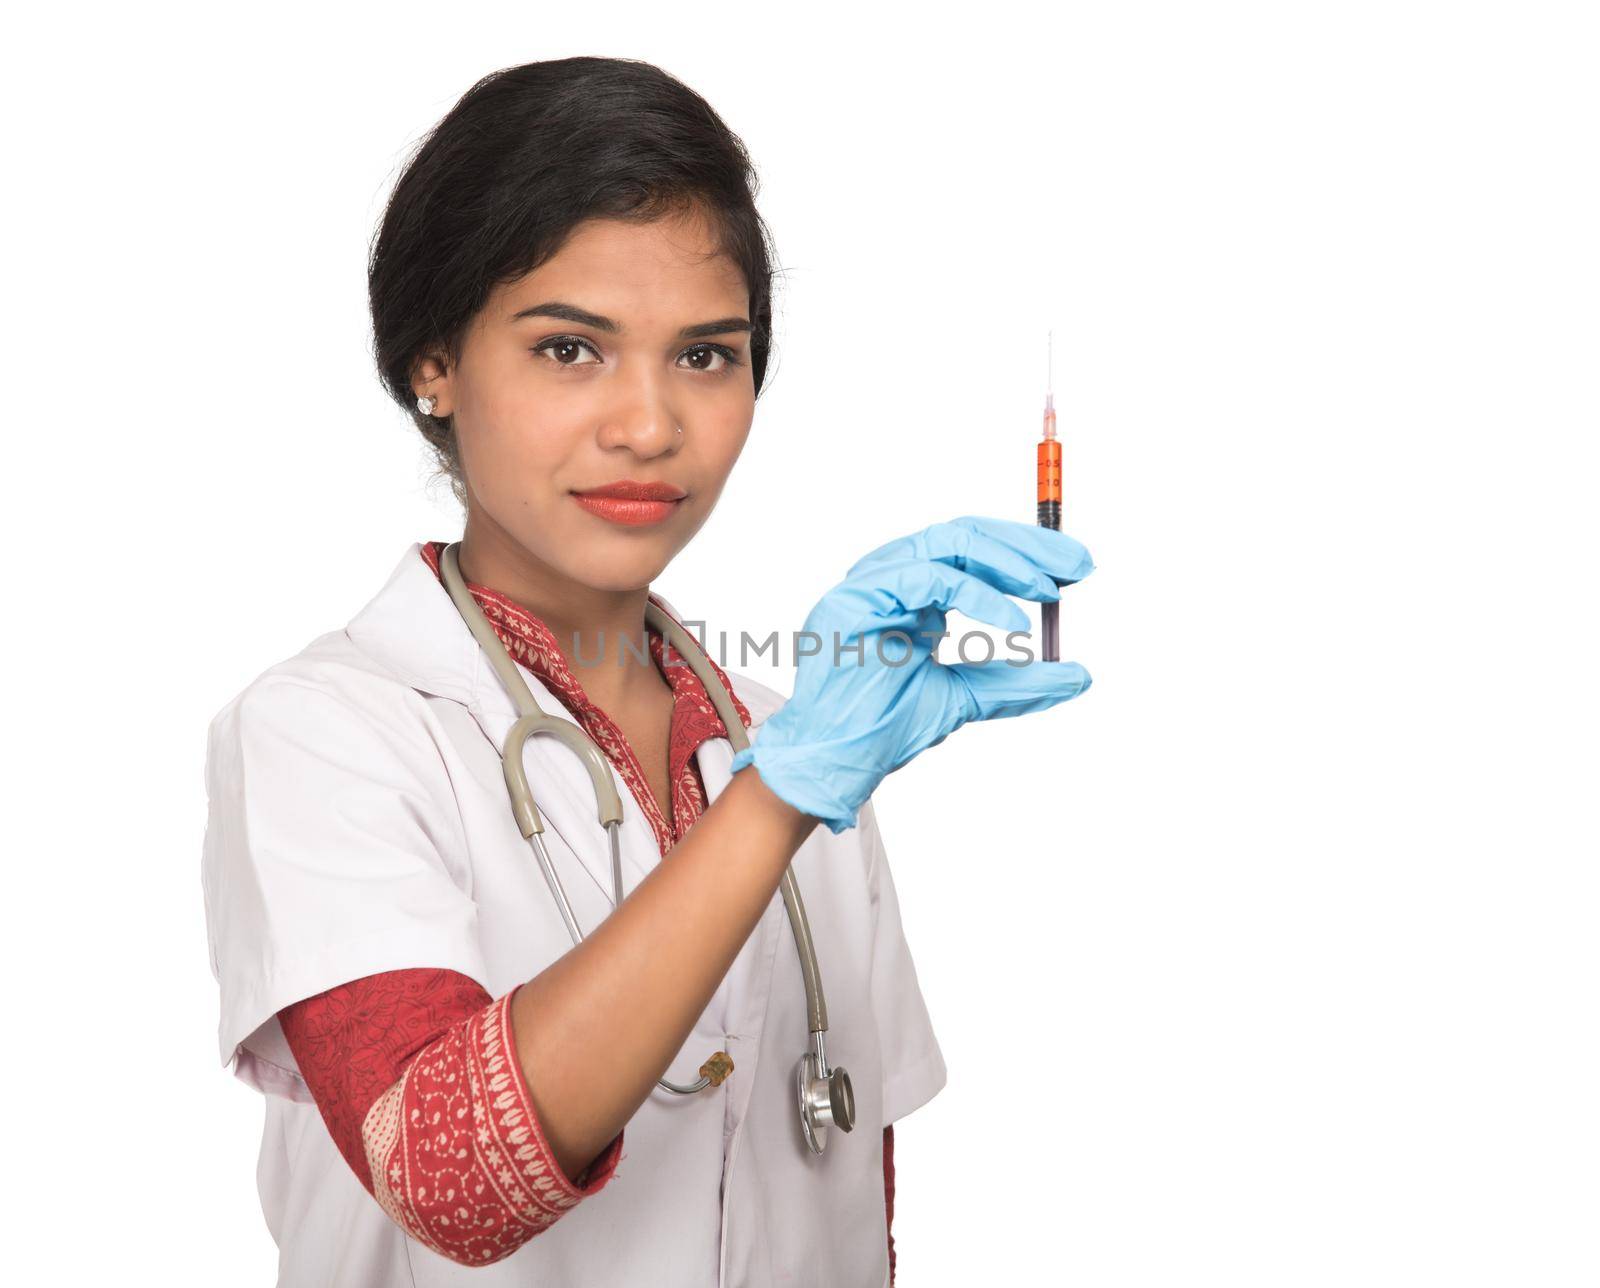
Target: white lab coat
column 358, row 822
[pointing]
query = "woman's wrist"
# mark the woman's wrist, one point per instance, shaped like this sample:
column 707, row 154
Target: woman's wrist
column 784, row 818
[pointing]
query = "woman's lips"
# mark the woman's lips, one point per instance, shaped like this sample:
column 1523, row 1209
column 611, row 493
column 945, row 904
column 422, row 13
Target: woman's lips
column 625, row 510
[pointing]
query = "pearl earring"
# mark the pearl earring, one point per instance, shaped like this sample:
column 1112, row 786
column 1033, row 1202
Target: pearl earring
column 426, row 404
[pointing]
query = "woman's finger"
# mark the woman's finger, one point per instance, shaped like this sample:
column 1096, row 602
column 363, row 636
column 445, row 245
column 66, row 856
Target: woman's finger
column 969, row 550
column 1057, row 555
column 1001, row 689
column 1019, row 558
column 916, row 584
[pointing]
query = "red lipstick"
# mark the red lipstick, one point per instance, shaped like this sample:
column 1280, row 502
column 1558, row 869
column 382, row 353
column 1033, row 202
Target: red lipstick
column 630, row 502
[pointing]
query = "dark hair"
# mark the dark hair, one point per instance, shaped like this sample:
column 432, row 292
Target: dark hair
column 497, row 186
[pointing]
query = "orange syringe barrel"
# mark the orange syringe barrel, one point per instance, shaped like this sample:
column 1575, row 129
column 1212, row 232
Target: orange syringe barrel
column 1050, row 482
column 1049, row 501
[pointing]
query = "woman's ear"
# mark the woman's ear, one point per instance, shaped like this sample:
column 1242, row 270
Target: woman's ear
column 431, row 378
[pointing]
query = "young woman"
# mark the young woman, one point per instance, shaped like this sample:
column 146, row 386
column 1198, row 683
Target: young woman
column 570, row 294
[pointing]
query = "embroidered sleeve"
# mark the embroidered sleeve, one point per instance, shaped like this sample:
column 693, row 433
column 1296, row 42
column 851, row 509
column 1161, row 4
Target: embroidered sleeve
column 415, row 1073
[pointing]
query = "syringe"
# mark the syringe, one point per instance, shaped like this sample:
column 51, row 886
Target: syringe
column 1050, row 501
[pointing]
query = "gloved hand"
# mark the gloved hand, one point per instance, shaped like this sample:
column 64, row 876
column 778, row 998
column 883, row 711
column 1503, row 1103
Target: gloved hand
column 875, row 696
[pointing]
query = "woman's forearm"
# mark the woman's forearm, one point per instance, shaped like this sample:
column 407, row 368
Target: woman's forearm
column 598, row 1026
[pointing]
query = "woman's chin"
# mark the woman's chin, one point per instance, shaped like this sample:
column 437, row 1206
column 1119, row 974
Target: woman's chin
column 627, row 570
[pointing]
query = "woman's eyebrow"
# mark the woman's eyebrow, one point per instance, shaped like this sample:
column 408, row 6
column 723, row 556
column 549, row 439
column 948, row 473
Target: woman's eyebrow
column 572, row 313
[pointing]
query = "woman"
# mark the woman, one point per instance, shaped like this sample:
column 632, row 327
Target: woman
column 570, row 291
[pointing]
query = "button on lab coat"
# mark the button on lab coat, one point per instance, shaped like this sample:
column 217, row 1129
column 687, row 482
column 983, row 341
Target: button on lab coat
column 358, row 822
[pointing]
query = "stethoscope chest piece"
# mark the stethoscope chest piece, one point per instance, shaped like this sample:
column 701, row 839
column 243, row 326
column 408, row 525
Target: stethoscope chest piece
column 825, row 1095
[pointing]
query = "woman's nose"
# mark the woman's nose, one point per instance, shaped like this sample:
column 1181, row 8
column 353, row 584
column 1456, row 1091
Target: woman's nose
column 642, row 419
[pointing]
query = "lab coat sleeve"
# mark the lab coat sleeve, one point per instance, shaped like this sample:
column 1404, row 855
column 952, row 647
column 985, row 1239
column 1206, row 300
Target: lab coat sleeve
column 333, row 850
column 913, row 1065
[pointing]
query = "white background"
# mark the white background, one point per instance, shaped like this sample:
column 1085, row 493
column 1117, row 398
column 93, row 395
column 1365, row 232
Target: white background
column 1271, row 960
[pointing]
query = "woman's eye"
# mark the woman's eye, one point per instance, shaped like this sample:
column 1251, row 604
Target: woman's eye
column 564, row 345
column 704, row 353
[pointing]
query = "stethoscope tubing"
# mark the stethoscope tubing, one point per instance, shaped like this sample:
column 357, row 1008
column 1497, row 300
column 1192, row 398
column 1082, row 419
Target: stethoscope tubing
column 532, row 720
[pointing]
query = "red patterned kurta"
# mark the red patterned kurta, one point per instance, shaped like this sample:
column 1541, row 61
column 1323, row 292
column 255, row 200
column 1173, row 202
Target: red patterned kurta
column 415, row 1071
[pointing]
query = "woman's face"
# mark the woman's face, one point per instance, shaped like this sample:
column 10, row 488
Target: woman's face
column 625, row 356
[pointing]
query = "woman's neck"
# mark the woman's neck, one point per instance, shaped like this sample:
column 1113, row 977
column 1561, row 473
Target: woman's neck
column 600, row 633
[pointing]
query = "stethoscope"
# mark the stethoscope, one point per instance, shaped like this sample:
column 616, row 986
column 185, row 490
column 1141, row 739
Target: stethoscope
column 824, row 1094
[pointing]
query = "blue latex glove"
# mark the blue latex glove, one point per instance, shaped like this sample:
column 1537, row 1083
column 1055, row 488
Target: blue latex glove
column 854, row 720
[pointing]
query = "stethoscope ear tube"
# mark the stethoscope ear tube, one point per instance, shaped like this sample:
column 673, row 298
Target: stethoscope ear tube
column 608, row 804
column 533, row 720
